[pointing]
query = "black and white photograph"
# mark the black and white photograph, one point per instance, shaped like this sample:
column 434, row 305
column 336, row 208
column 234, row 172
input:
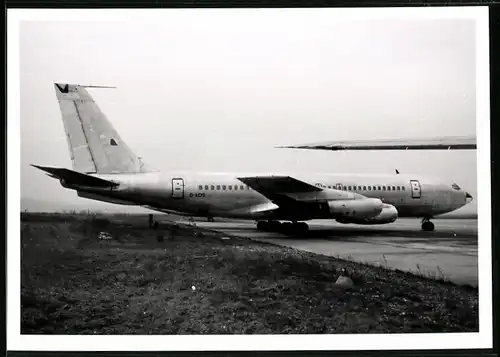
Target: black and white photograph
column 241, row 179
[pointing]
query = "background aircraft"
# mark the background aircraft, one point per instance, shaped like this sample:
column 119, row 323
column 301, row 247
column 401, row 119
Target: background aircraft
column 105, row 169
column 437, row 143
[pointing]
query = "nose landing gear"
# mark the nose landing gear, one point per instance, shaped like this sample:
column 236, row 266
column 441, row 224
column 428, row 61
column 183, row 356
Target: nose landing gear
column 427, row 225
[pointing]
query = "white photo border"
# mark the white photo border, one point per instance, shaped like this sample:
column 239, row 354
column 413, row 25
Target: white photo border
column 482, row 339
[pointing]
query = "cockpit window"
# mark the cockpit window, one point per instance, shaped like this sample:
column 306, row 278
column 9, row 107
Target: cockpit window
column 455, row 186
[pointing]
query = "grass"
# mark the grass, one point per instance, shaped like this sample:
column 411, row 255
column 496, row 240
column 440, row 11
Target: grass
column 74, row 283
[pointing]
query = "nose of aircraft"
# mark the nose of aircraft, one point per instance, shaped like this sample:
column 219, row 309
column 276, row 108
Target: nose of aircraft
column 468, row 197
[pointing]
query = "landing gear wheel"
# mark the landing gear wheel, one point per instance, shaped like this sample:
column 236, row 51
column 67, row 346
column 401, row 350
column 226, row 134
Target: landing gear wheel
column 287, row 227
column 428, row 226
column 301, row 228
column 262, row 225
column 274, row 226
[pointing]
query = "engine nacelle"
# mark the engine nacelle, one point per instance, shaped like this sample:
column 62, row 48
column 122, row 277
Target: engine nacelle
column 388, row 214
column 355, row 209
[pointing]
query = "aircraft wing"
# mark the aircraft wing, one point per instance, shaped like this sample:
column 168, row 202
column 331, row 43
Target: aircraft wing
column 277, row 184
column 437, row 143
column 277, row 188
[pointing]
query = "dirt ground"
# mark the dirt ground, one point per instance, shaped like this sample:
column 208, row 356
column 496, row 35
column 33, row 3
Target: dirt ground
column 76, row 280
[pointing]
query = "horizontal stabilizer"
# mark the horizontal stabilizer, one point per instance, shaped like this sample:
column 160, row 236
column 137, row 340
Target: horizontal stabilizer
column 76, row 178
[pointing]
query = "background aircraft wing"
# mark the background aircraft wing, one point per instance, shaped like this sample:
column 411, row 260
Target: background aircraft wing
column 437, row 143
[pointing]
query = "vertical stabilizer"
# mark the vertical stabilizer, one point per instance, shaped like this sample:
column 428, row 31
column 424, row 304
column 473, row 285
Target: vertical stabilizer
column 95, row 146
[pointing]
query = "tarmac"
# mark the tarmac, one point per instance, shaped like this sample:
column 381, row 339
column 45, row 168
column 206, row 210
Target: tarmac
column 450, row 251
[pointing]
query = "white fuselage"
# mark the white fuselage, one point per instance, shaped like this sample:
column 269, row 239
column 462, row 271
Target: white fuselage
column 223, row 195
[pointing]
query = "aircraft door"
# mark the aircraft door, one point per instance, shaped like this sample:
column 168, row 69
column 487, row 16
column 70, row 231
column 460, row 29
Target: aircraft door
column 415, row 189
column 177, row 188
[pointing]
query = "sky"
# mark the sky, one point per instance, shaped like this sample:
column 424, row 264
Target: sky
column 218, row 90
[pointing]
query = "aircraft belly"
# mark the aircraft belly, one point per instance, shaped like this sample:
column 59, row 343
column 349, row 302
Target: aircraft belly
column 213, row 204
column 157, row 190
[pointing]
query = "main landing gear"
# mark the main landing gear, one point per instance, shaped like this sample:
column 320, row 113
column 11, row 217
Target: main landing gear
column 286, row 227
column 427, row 225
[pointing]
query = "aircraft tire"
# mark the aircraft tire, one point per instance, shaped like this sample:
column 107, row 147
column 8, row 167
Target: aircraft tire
column 428, row 226
column 302, row 227
column 262, row 225
column 274, row 226
column 287, row 228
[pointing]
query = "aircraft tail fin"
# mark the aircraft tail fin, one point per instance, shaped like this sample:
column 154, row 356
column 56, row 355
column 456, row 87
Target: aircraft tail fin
column 94, row 144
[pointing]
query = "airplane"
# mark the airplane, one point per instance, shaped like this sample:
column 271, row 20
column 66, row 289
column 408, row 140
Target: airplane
column 104, row 168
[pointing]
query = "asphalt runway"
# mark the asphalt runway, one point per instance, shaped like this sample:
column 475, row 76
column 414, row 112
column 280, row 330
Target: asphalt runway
column 449, row 251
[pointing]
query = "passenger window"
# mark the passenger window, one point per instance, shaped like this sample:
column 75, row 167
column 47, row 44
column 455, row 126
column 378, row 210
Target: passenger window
column 364, row 188
column 394, row 188
column 223, row 187
column 383, row 188
column 235, row 187
column 329, row 186
column 369, row 188
column 212, row 187
column 359, row 188
column 345, row 188
column 398, row 188
column 242, row 187
column 388, row 188
column 403, row 188
column 230, row 187
column 206, row 187
column 379, row 188
column 218, row 187
column 200, row 187
column 349, row 188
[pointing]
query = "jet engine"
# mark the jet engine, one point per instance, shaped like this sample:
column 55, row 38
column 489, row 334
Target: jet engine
column 388, row 214
column 355, row 209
